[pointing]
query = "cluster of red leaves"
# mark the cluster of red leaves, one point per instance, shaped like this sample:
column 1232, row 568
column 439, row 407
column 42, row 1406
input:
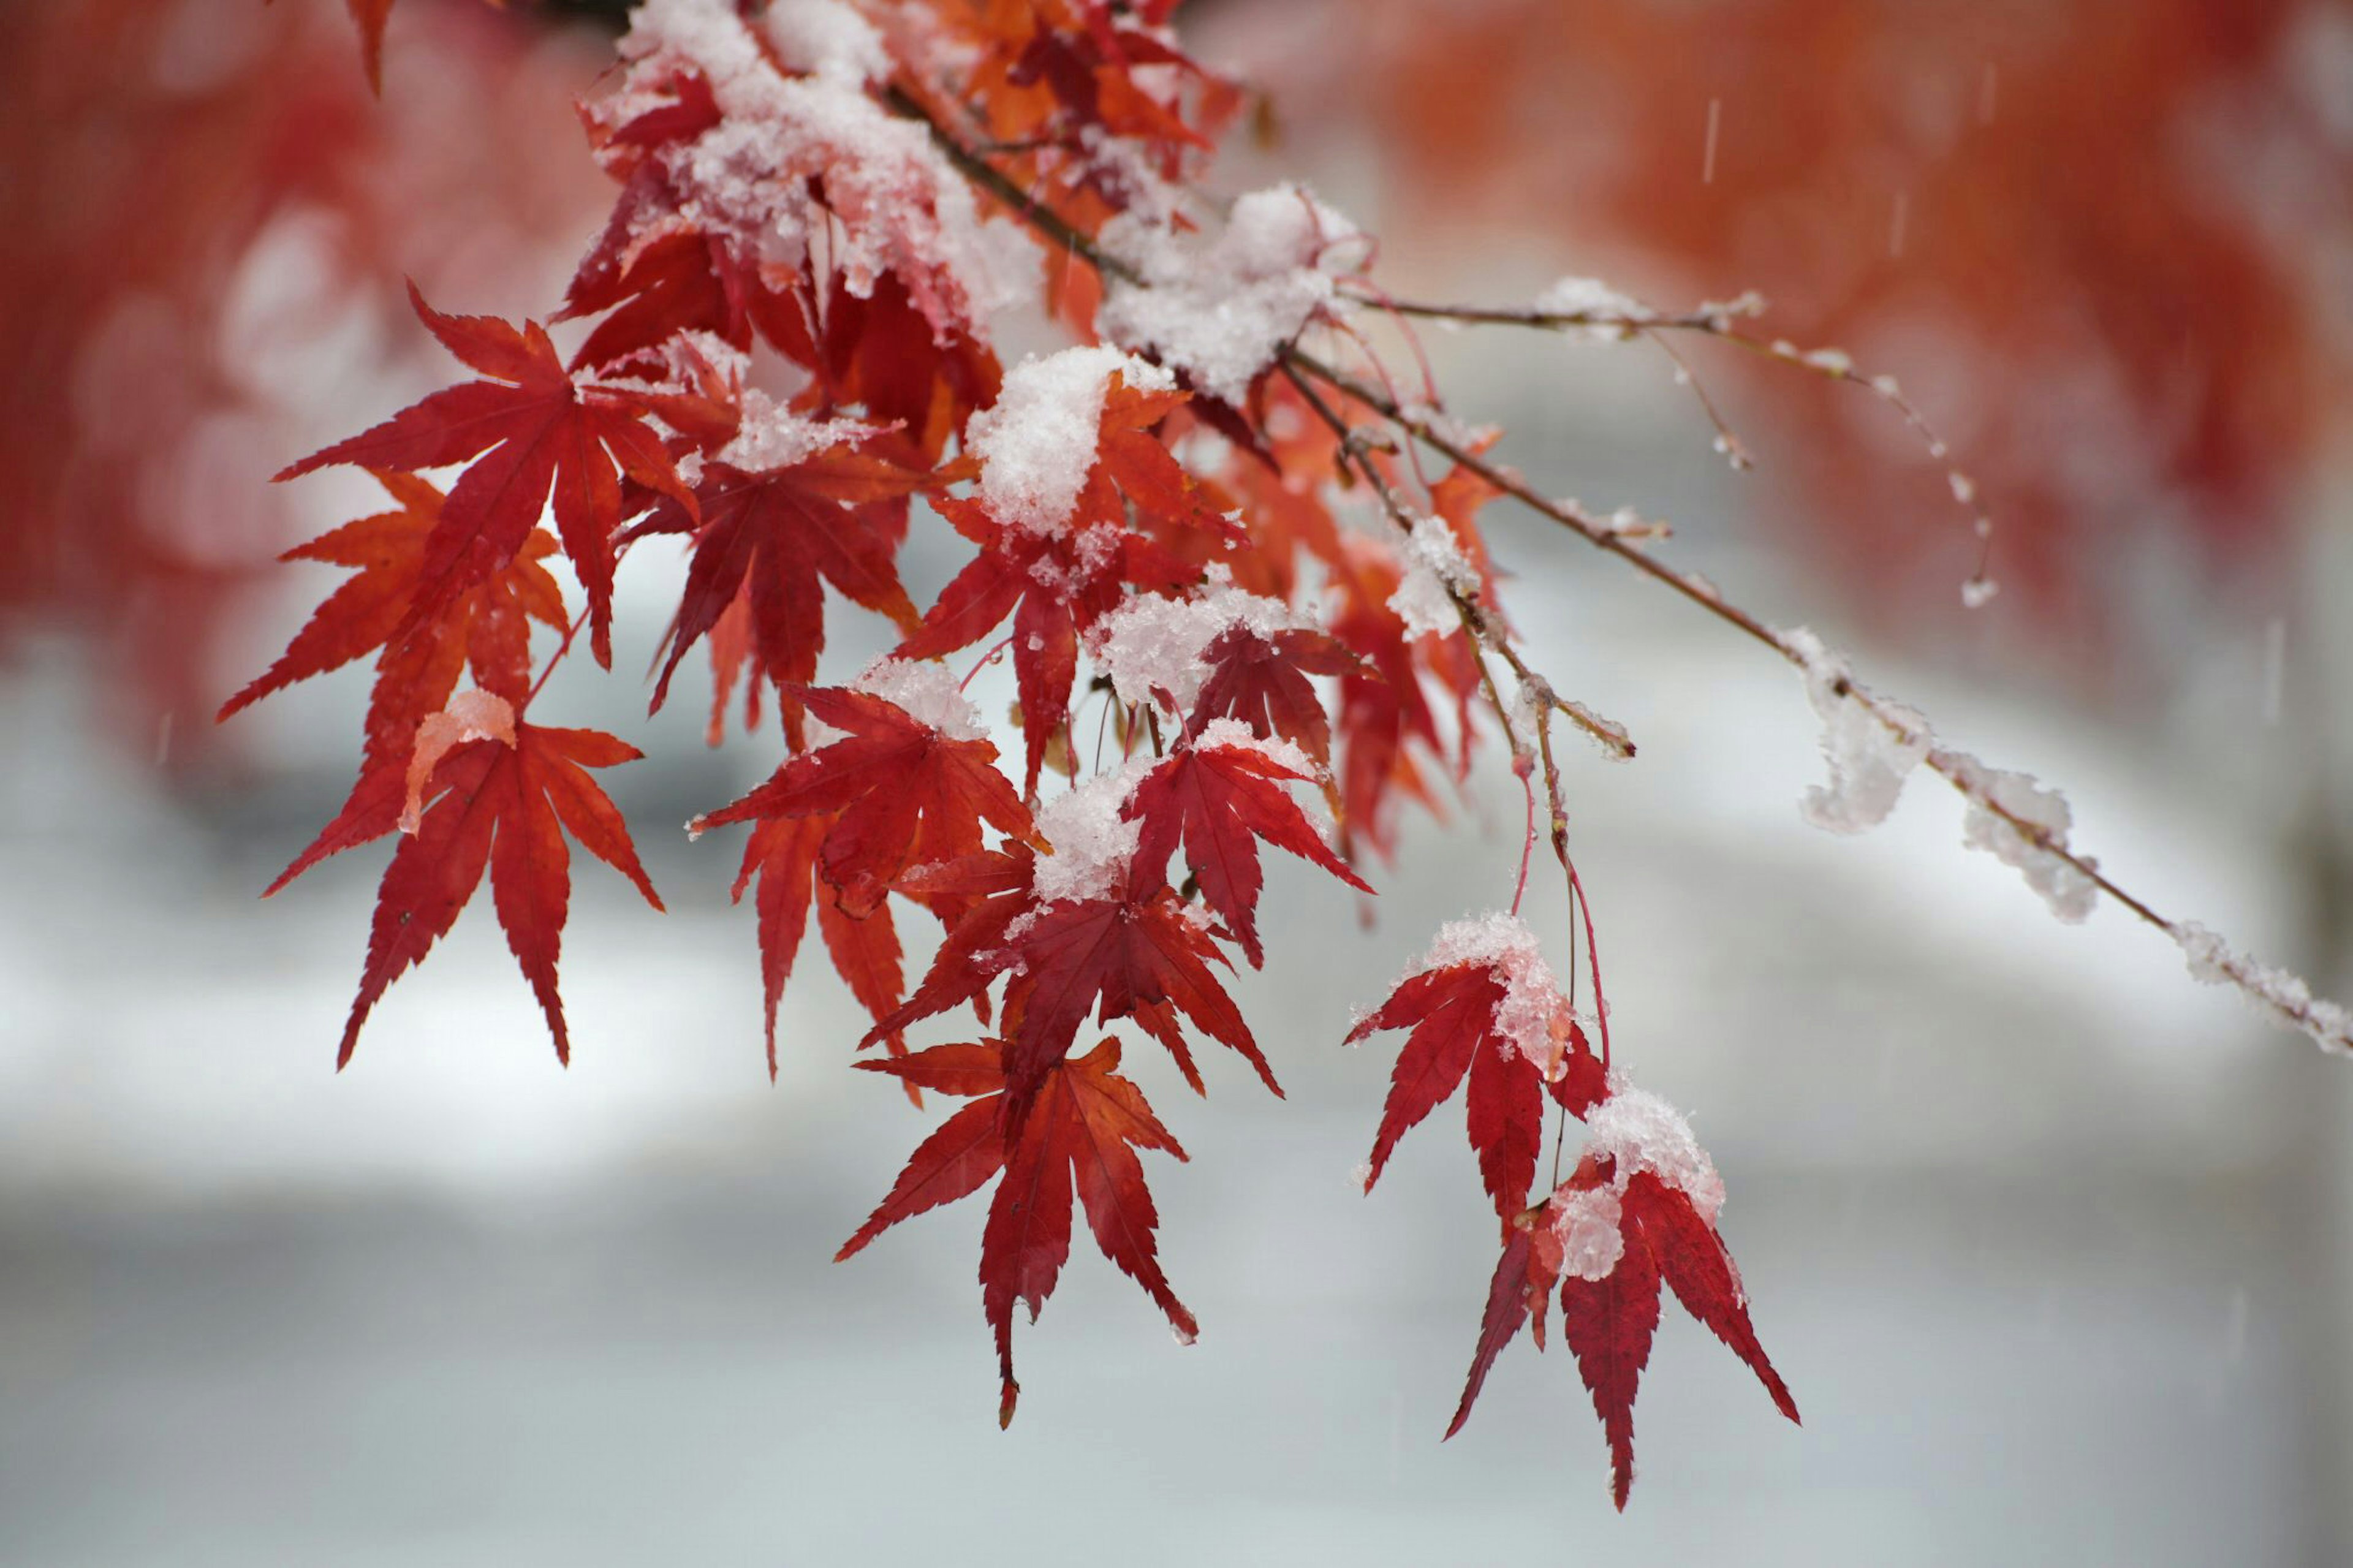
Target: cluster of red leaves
column 1453, row 1011
column 889, row 791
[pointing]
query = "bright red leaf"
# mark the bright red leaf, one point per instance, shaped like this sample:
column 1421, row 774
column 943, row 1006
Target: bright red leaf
column 1220, row 795
column 1082, row 1134
column 902, row 794
column 490, row 804
column 527, row 433
column 782, row 854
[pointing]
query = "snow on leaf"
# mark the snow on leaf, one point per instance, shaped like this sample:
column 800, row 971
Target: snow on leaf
column 1638, row 1212
column 1480, row 1004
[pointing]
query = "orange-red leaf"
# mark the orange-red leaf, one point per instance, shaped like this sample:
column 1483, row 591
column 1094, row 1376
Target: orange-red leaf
column 527, row 434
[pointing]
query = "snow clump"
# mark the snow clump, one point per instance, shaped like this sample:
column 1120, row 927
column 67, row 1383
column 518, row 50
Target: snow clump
column 1867, row 760
column 1153, row 644
column 1220, row 313
column 1532, row 1017
column 2282, row 997
column 1639, row 1133
column 2070, row 893
column 1037, row 443
column 925, row 690
column 1092, row 845
column 1435, row 569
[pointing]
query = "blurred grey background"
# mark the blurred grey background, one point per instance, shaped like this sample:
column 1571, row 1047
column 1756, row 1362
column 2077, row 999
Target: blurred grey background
column 2049, row 1241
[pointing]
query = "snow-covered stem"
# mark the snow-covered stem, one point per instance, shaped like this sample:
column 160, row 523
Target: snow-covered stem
column 1717, row 320
column 1946, row 766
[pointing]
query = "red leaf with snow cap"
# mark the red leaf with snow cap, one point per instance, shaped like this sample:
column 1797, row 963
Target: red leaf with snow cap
column 1483, row 1005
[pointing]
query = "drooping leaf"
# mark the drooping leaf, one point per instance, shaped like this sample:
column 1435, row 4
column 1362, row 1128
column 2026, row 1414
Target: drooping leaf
column 506, row 808
column 1081, row 1136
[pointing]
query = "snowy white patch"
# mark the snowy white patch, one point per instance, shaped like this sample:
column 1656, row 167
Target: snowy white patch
column 1532, row 1019
column 826, row 38
column 1091, row 845
column 472, row 715
column 1037, row 442
column 926, row 691
column 1151, row 643
column 1219, row 312
column 2282, row 997
column 1592, row 297
column 1233, row 736
column 892, row 202
column 1435, row 568
column 2069, row 893
column 1868, row 762
column 773, row 436
column 1640, row 1133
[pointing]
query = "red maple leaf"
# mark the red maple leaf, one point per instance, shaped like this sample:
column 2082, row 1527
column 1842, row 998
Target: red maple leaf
column 902, row 794
column 1059, row 582
column 486, row 628
column 1082, row 1133
column 1221, row 798
column 776, row 537
column 488, row 802
column 782, row 854
column 1262, row 681
column 1609, row 1303
column 529, row 432
column 1452, row 1012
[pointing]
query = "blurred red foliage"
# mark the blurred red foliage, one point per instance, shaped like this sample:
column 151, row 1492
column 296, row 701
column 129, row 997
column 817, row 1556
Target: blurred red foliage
column 2093, row 237
column 192, row 185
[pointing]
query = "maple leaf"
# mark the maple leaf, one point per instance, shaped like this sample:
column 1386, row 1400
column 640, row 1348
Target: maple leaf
column 529, row 432
column 1057, row 582
column 486, row 628
column 774, row 537
column 1262, row 681
column 782, row 855
column 504, row 803
column 1221, row 795
column 1082, row 1134
column 1479, row 1017
column 1640, row 1211
column 902, row 794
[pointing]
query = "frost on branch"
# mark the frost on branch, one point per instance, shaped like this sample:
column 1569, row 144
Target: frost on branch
column 2282, row 998
column 1868, row 761
column 2070, row 893
column 1037, row 442
column 1618, row 314
column 1219, row 312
